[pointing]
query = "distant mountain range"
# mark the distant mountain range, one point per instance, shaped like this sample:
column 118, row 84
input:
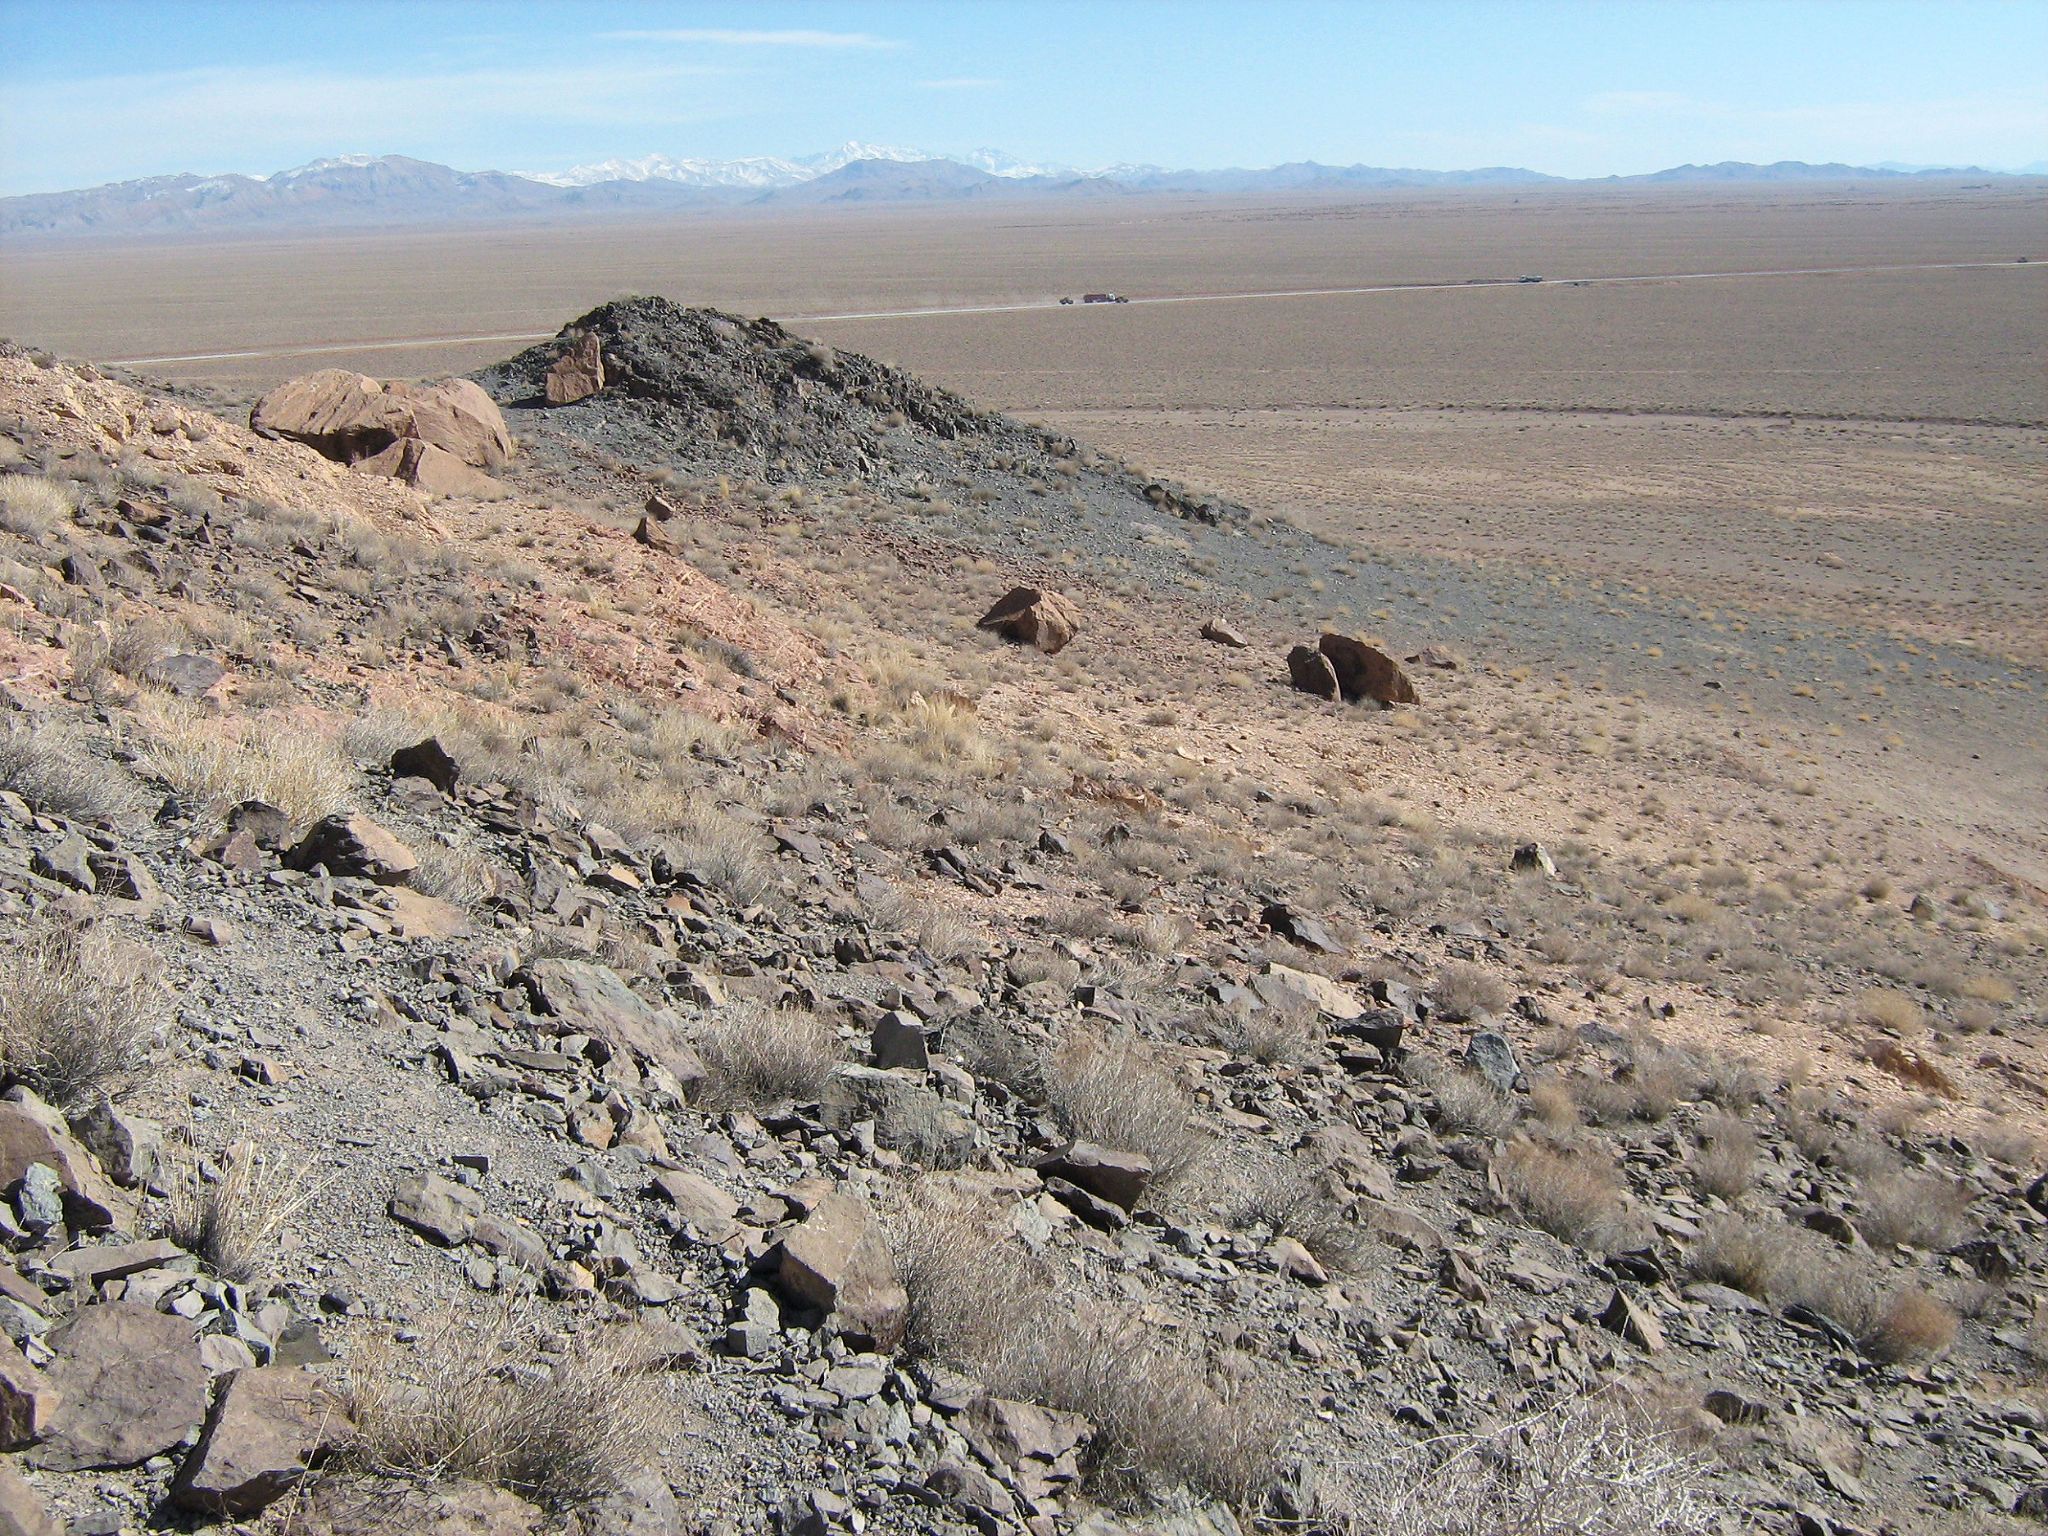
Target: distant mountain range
column 375, row 191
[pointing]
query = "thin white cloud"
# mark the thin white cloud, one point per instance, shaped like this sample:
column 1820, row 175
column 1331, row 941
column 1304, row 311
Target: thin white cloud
column 732, row 37
column 960, row 83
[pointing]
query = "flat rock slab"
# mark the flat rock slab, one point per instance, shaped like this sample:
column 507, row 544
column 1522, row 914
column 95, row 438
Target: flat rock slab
column 22, row 1511
column 130, row 1385
column 373, row 1507
column 442, row 1212
column 587, row 998
column 267, row 1430
column 836, row 1261
column 1108, row 1173
column 27, row 1400
column 1283, row 987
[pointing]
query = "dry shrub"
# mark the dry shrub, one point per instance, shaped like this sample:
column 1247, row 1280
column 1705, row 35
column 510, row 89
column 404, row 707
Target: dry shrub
column 1884, row 1008
column 1725, row 1164
column 1464, row 991
column 232, row 1216
column 34, row 506
column 1271, row 1036
column 1593, row 1466
column 725, row 853
column 52, row 768
column 1909, row 1066
column 1551, row 1101
column 454, row 874
column 1575, row 1194
column 1161, row 1413
column 78, row 1009
column 216, row 763
column 1920, row 1210
column 1297, row 1201
column 973, row 1288
column 1112, row 1090
column 758, row 1055
column 1911, row 1325
column 1466, row 1103
column 489, row 1404
column 1737, row 1252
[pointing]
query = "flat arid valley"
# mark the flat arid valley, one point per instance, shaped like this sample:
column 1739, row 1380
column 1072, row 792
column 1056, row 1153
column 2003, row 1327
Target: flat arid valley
column 878, row 844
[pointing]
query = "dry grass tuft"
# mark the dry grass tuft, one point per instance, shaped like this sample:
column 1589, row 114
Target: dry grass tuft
column 52, row 769
column 215, row 763
column 1112, row 1090
column 1912, row 1325
column 1737, row 1252
column 725, row 853
column 233, row 1219
column 1725, row 1164
column 496, row 1404
column 1464, row 991
column 1918, row 1210
column 34, row 506
column 1298, row 1202
column 758, row 1055
column 1466, row 1103
column 1592, row 1466
column 78, row 1010
column 1270, row 1036
column 1575, row 1194
column 1883, row 1008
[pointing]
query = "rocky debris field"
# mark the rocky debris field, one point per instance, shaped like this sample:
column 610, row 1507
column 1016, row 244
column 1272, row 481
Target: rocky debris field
column 761, row 1103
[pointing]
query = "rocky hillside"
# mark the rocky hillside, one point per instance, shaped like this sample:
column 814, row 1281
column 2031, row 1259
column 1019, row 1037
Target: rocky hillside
column 617, row 1010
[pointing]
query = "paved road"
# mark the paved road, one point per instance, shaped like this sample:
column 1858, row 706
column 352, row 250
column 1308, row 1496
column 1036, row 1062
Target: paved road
column 388, row 344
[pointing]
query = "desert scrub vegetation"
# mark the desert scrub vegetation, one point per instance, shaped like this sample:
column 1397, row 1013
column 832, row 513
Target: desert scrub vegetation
column 1111, row 1089
column 1164, row 1416
column 1585, row 1466
column 758, row 1055
column 1464, row 991
column 213, row 763
column 79, row 1010
column 1574, row 1192
column 1295, row 1200
column 505, row 1402
column 1464, row 1102
column 53, row 768
column 232, row 1213
column 34, row 506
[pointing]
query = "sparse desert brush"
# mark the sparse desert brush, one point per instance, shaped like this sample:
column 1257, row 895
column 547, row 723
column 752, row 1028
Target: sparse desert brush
column 1911, row 1324
column 1917, row 1210
column 973, row 1289
column 232, row 1214
column 1983, row 987
column 214, row 763
column 1725, row 1163
column 1574, row 1193
column 1465, row 991
column 1587, row 1466
column 725, row 852
column 1738, row 1252
column 758, row 1055
column 34, row 506
column 51, row 767
column 454, row 873
column 1297, row 1201
column 1551, row 1101
column 493, row 1402
column 1111, row 1089
column 79, row 1009
column 1466, row 1104
column 1885, row 1009
column 1272, row 1036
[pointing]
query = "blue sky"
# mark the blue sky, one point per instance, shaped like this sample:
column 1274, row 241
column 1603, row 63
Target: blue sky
column 93, row 91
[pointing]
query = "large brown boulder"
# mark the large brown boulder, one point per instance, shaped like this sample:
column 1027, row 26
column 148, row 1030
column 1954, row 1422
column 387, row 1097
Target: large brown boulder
column 434, row 471
column 349, row 843
column 350, row 417
column 1366, row 672
column 836, row 1261
column 130, row 1384
column 264, row 1435
column 1310, row 671
column 578, row 373
column 1031, row 616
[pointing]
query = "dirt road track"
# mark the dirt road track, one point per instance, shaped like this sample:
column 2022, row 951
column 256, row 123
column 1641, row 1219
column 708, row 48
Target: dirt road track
column 1549, row 284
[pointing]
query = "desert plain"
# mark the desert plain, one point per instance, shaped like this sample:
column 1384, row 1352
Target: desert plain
column 1729, row 525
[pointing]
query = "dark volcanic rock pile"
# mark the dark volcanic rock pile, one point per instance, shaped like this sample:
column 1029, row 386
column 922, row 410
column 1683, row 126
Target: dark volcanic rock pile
column 697, row 389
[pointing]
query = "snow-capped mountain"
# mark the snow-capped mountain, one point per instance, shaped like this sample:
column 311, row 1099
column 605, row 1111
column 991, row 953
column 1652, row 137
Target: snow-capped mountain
column 767, row 172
